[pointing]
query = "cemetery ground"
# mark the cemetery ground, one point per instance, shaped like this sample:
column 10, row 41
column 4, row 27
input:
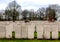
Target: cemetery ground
column 15, row 40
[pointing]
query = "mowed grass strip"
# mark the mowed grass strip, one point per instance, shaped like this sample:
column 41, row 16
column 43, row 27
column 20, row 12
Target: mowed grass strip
column 4, row 40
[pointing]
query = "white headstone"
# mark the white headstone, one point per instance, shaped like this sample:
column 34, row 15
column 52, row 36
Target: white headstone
column 31, row 29
column 47, row 31
column 39, row 28
column 24, row 30
column 17, row 29
column 9, row 29
column 54, row 31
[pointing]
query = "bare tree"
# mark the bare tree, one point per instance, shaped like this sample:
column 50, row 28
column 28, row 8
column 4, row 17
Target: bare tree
column 12, row 11
column 50, row 13
column 24, row 14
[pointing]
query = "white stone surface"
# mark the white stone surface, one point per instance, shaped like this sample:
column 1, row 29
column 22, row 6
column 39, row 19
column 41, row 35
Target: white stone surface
column 54, row 31
column 26, row 30
column 39, row 31
column 9, row 29
column 2, row 30
column 17, row 29
column 47, row 31
column 31, row 29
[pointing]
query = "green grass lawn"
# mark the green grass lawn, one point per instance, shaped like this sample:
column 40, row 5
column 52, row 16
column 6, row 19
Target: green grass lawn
column 59, row 34
column 29, row 40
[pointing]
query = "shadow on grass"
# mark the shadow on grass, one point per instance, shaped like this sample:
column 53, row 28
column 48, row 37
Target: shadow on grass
column 25, row 39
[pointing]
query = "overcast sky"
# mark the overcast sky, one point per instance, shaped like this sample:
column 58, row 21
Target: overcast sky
column 29, row 4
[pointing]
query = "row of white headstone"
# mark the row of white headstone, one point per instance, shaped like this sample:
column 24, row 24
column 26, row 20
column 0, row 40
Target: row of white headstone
column 26, row 30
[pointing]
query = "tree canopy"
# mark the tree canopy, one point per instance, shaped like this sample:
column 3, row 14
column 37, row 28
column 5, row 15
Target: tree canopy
column 11, row 11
